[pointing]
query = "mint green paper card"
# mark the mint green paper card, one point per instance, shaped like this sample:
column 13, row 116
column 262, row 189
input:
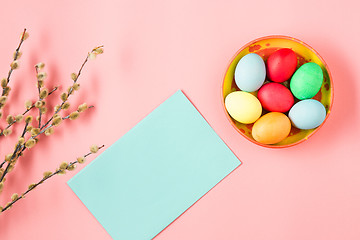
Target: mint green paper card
column 155, row 172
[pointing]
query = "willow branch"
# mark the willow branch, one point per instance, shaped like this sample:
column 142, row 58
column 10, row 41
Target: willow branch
column 44, row 179
column 14, row 156
column 15, row 58
column 23, row 114
column 39, row 90
column 33, row 105
column 20, row 148
column 71, row 88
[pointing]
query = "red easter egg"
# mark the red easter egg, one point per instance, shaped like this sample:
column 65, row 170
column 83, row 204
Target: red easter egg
column 281, row 65
column 275, row 97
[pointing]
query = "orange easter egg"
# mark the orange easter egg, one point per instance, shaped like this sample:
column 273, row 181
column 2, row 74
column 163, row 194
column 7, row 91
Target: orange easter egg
column 271, row 128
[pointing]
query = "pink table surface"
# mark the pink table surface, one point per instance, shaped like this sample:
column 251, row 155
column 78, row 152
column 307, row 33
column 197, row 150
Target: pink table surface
column 152, row 49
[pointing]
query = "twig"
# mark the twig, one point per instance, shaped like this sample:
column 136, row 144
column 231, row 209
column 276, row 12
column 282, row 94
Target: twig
column 46, row 125
column 2, row 163
column 33, row 105
column 15, row 58
column 71, row 88
column 15, row 154
column 46, row 128
column 39, row 89
column 21, row 148
column 25, row 112
column 45, row 178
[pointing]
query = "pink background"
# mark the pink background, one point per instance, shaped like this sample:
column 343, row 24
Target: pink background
column 152, row 49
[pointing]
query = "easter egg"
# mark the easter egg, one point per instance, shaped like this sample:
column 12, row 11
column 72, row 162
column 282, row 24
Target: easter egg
column 250, row 72
column 243, row 107
column 307, row 114
column 271, row 128
column 306, row 81
column 275, row 97
column 281, row 65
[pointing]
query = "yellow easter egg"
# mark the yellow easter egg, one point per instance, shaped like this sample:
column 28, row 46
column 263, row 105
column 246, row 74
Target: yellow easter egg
column 271, row 128
column 243, row 107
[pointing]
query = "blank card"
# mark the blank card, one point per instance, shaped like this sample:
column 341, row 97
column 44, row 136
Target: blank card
column 155, row 172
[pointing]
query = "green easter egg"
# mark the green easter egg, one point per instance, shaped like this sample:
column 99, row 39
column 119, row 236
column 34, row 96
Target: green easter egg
column 306, row 81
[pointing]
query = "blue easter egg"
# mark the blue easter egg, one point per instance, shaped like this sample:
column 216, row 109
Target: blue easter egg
column 250, row 72
column 307, row 114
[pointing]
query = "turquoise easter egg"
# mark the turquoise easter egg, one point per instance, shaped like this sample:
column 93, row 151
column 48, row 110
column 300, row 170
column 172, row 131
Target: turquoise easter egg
column 307, row 114
column 250, row 72
column 306, row 81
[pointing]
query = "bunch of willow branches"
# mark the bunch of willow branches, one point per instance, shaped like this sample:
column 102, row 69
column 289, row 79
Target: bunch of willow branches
column 33, row 127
